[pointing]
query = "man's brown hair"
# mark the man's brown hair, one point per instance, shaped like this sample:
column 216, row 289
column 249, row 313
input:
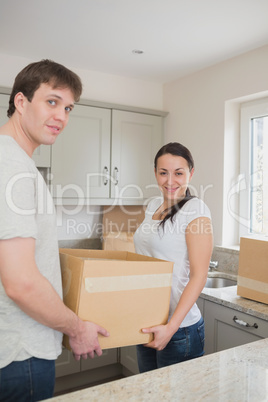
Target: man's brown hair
column 44, row 72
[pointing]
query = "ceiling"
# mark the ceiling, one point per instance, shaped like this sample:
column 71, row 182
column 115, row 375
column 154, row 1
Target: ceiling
column 178, row 37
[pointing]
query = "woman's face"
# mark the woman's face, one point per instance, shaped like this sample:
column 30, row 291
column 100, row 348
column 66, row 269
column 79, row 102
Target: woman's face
column 173, row 175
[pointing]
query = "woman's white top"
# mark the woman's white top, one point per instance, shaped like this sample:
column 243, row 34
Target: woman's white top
column 170, row 244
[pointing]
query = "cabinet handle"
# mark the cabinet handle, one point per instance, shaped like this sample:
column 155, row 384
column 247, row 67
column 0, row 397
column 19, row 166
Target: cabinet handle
column 116, row 171
column 105, row 174
column 243, row 323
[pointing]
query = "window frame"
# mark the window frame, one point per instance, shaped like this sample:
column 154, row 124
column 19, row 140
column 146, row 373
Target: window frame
column 248, row 111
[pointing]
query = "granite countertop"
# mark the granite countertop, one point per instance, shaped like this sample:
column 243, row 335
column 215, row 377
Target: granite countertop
column 228, row 297
column 237, row 374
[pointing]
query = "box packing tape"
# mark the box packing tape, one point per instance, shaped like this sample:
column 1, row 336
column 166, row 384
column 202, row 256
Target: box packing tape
column 125, row 283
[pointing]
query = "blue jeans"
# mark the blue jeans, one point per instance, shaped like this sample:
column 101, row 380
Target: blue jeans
column 187, row 343
column 27, row 381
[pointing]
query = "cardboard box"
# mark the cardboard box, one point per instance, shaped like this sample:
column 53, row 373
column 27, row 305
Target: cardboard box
column 252, row 279
column 123, row 218
column 121, row 291
column 121, row 241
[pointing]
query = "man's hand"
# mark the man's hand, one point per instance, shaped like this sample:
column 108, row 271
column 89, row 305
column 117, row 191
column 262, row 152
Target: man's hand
column 85, row 342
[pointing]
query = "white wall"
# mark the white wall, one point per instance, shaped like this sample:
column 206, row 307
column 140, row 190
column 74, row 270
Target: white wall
column 96, row 86
column 201, row 116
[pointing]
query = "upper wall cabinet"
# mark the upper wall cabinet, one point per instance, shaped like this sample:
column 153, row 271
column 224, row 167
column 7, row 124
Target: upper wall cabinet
column 3, row 108
column 41, row 155
column 81, row 156
column 136, row 138
column 105, row 156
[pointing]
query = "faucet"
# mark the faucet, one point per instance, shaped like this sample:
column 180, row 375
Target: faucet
column 213, row 265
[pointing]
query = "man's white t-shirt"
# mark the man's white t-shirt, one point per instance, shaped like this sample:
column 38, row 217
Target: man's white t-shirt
column 27, row 210
column 170, row 244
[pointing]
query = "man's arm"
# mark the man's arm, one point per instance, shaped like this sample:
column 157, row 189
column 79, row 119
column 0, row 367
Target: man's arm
column 33, row 293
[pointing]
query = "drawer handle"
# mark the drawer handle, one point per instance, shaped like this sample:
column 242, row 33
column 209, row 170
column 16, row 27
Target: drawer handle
column 116, row 171
column 243, row 323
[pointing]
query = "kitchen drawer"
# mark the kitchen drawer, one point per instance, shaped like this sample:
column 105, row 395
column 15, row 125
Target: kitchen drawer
column 226, row 328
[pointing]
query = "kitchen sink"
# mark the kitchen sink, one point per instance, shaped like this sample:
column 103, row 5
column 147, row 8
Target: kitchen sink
column 219, row 282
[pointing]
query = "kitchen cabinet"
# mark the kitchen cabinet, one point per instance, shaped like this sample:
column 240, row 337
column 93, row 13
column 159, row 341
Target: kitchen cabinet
column 113, row 364
column 66, row 363
column 136, row 138
column 109, row 356
column 128, row 359
column 226, row 328
column 104, row 156
column 72, row 374
column 81, row 156
column 200, row 303
column 41, row 155
column 4, row 99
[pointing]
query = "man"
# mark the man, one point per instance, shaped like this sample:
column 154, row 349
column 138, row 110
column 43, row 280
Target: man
column 32, row 314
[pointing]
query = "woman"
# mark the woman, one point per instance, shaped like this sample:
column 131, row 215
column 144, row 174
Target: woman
column 177, row 227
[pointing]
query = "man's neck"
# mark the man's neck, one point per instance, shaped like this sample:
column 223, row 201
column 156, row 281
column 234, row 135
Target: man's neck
column 13, row 129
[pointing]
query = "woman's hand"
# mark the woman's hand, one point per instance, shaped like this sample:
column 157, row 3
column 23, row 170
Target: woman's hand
column 162, row 335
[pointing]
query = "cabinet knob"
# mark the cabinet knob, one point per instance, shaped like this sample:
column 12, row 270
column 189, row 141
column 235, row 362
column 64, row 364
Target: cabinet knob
column 243, row 323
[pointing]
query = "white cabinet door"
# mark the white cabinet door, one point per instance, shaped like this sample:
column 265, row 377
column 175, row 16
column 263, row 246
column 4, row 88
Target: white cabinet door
column 226, row 328
column 136, row 138
column 41, row 155
column 109, row 356
column 3, row 108
column 128, row 359
column 81, row 155
column 66, row 364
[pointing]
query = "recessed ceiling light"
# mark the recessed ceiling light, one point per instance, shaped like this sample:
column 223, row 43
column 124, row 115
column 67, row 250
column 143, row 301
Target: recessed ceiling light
column 137, row 51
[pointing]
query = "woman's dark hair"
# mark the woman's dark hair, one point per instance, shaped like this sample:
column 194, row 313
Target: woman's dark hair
column 176, row 149
column 44, row 72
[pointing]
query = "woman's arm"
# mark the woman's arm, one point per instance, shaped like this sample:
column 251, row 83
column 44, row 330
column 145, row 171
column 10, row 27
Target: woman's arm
column 199, row 240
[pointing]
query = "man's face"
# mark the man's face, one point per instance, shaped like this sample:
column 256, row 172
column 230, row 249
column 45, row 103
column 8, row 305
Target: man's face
column 44, row 118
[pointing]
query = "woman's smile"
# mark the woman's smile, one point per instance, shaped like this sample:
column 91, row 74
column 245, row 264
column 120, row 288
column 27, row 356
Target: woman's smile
column 171, row 190
column 173, row 176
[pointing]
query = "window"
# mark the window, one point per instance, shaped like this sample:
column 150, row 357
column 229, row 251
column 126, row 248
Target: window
column 253, row 179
